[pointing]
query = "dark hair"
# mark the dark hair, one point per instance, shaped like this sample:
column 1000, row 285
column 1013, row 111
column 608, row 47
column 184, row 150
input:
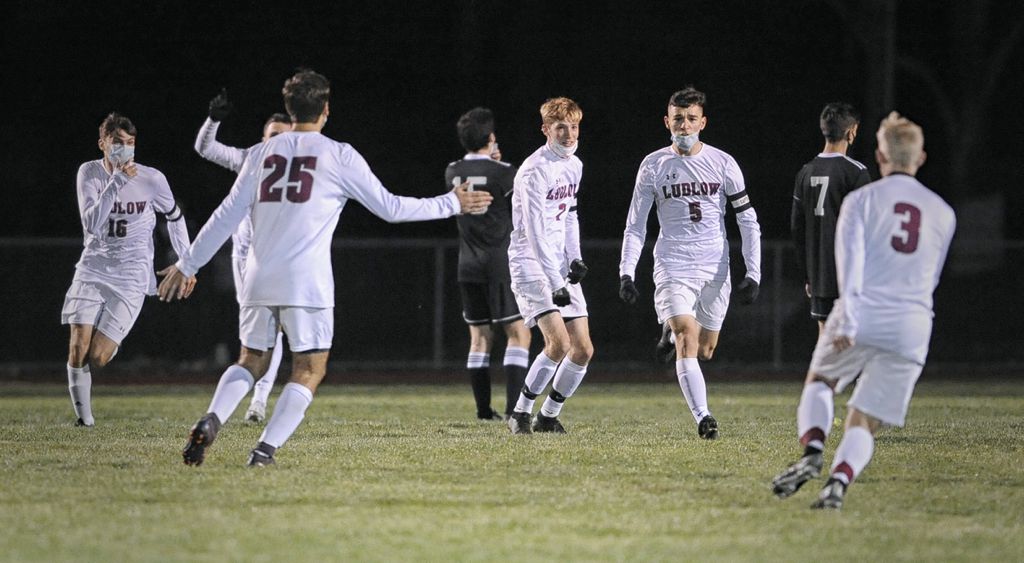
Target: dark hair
column 687, row 97
column 836, row 120
column 305, row 96
column 115, row 121
column 278, row 118
column 475, row 128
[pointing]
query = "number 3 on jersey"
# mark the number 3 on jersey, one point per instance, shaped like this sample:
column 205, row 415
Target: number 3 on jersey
column 911, row 227
column 300, row 182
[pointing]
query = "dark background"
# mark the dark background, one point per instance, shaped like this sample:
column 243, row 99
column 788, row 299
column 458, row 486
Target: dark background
column 402, row 73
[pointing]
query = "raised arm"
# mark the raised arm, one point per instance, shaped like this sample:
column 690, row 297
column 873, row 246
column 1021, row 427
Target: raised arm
column 209, row 148
column 95, row 206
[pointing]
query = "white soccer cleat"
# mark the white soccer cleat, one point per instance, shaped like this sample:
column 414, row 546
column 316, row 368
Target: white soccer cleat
column 257, row 412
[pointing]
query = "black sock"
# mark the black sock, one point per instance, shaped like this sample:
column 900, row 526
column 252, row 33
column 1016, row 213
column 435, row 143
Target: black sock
column 811, row 450
column 515, row 378
column 266, row 448
column 480, row 380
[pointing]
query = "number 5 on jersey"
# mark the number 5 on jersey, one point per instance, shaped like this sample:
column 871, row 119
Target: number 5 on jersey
column 300, row 182
column 473, row 182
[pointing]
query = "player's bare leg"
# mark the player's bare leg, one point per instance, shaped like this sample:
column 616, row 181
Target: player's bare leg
column 308, row 370
column 478, row 364
column 257, row 410
column 568, row 376
column 691, row 341
column 516, row 361
column 234, row 385
column 542, row 370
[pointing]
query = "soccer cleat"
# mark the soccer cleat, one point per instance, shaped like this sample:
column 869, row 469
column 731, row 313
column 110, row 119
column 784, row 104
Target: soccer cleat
column 831, row 495
column 665, row 350
column 203, row 433
column 519, row 423
column 494, row 415
column 707, row 428
column 259, row 458
column 257, row 412
column 82, row 423
column 547, row 424
column 789, row 481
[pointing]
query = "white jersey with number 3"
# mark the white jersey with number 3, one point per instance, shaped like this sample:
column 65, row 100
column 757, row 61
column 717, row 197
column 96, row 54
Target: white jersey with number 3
column 294, row 187
column 545, row 232
column 892, row 238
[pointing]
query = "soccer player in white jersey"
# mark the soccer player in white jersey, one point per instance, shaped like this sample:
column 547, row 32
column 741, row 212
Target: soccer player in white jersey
column 546, row 266
column 692, row 184
column 118, row 200
column 294, row 187
column 232, row 159
column 891, row 243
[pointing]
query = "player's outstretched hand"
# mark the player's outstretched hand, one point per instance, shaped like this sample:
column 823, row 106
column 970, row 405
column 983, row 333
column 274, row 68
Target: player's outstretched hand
column 561, row 297
column 474, row 202
column 220, row 106
column 577, row 271
column 627, row 290
column 842, row 342
column 174, row 285
column 747, row 291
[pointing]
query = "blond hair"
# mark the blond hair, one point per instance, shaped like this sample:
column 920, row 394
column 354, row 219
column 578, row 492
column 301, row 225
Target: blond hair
column 900, row 140
column 561, row 109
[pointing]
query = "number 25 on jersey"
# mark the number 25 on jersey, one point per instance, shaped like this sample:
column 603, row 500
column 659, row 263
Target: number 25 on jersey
column 300, row 181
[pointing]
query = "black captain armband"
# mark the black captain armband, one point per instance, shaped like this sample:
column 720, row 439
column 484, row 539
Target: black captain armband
column 740, row 201
column 174, row 215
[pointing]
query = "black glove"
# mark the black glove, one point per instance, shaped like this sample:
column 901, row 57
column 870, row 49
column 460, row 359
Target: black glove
column 220, row 107
column 627, row 290
column 561, row 297
column 577, row 271
column 746, row 291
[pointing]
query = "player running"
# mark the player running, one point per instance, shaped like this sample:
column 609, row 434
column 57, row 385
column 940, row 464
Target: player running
column 118, row 200
column 691, row 183
column 891, row 243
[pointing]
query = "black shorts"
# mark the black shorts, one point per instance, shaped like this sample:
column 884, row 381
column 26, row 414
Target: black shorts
column 486, row 303
column 821, row 307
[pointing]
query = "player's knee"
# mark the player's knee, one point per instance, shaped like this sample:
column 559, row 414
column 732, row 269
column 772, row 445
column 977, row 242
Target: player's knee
column 518, row 336
column 706, row 352
column 480, row 342
column 100, row 358
column 557, row 348
column 78, row 353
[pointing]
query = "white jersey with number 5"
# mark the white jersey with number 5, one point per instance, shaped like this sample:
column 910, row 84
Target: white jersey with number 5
column 691, row 193
column 891, row 243
column 293, row 187
column 544, row 226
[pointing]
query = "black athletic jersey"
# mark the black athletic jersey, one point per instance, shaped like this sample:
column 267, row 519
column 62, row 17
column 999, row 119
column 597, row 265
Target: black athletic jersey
column 820, row 188
column 483, row 239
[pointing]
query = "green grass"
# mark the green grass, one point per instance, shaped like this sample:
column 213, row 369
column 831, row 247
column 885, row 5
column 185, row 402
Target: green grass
column 404, row 473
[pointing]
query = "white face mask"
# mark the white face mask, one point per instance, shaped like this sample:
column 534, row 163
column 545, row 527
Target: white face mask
column 685, row 142
column 562, row 150
column 120, row 154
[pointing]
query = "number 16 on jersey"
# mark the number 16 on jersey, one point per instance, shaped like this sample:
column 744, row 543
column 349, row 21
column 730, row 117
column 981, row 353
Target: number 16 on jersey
column 473, row 182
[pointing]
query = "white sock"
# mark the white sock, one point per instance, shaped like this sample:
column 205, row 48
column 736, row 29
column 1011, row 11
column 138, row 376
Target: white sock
column 80, row 385
column 233, row 386
column 516, row 356
column 814, row 414
column 261, row 391
column 288, row 413
column 853, row 454
column 567, row 379
column 477, row 360
column 541, row 372
column 691, row 381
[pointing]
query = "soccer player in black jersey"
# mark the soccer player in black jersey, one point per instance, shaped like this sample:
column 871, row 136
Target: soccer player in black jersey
column 484, row 280
column 820, row 188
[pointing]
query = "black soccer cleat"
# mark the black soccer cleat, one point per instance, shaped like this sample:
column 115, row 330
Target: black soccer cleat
column 519, row 423
column 259, row 458
column 831, row 496
column 707, row 428
column 493, row 415
column 200, row 437
column 82, row 423
column 665, row 350
column 547, row 424
column 789, row 481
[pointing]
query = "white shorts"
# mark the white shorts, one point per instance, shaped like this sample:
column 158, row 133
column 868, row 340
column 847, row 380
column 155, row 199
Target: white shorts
column 885, row 383
column 110, row 311
column 307, row 328
column 705, row 300
column 534, row 299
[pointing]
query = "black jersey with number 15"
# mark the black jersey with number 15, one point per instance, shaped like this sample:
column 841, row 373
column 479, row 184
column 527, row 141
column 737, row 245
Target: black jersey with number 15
column 483, row 244
column 818, row 194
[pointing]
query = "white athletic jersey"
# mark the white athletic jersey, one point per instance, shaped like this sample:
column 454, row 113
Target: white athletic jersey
column 231, row 158
column 891, row 243
column 118, row 217
column 691, row 194
column 545, row 229
column 294, row 186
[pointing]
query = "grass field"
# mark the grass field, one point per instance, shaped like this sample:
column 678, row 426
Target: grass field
column 404, row 473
